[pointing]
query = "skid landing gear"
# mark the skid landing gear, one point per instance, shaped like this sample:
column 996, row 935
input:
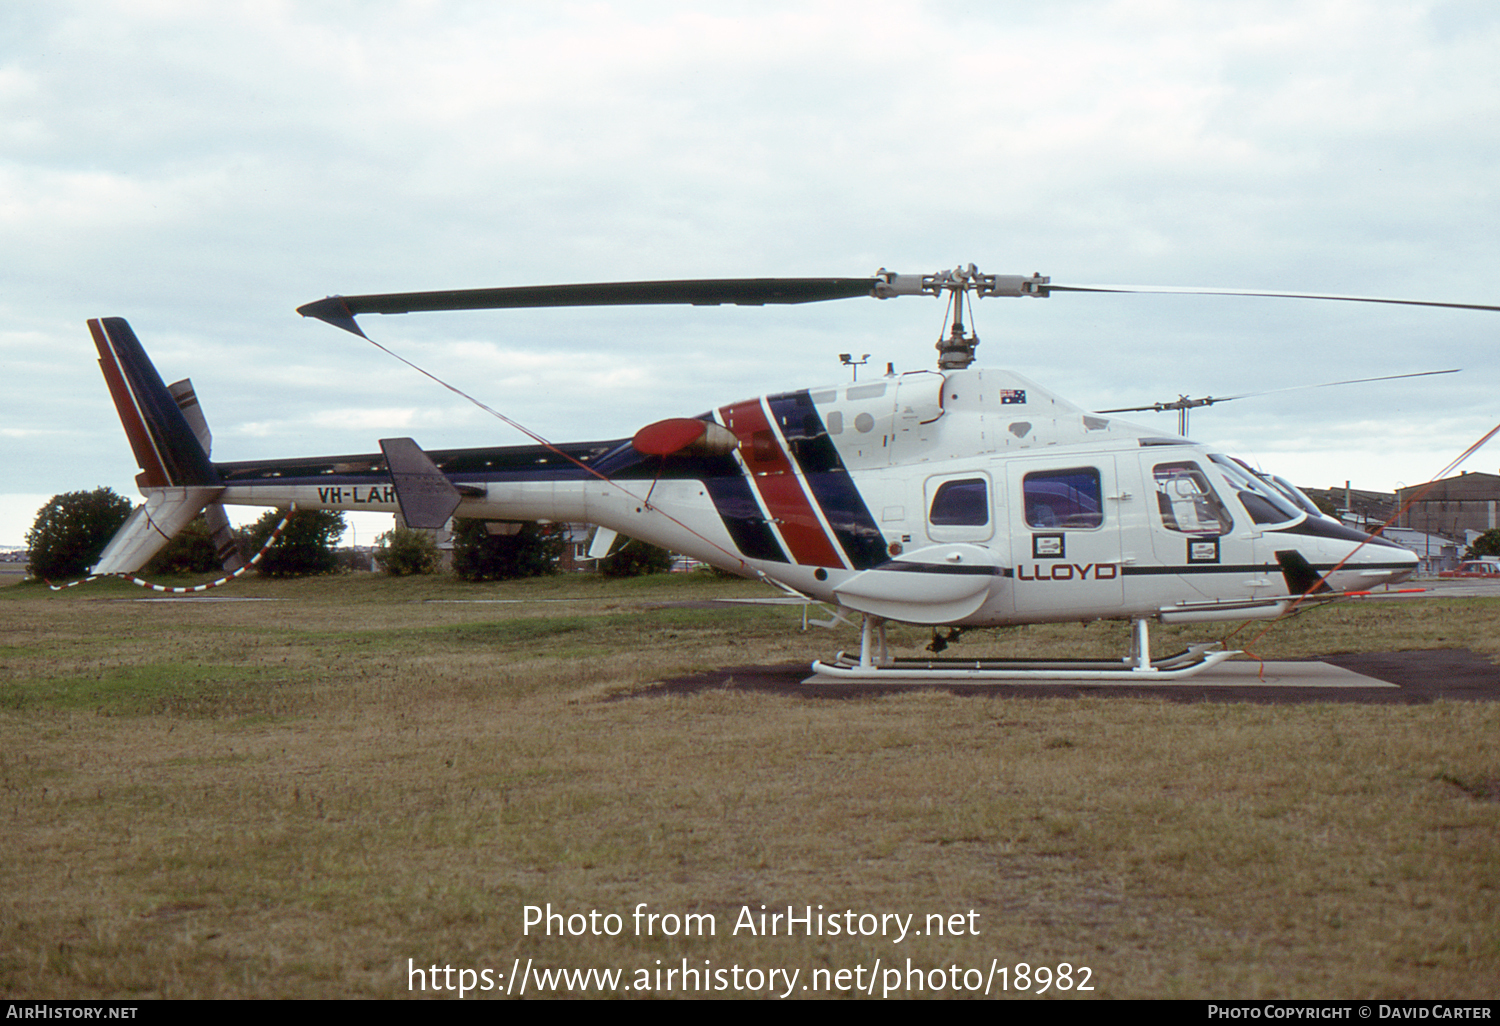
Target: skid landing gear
column 877, row 665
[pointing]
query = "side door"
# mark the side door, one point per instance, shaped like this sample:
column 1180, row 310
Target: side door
column 1194, row 531
column 1066, row 537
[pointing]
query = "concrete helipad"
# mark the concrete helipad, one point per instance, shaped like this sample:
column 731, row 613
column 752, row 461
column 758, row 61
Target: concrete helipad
column 1396, row 678
column 1228, row 675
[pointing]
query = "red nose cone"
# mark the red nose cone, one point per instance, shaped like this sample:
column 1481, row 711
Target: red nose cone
column 668, row 436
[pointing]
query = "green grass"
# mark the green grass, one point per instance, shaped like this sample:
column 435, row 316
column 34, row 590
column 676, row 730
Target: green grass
column 292, row 798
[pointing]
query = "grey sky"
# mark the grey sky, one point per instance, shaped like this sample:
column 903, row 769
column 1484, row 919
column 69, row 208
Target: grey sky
column 201, row 169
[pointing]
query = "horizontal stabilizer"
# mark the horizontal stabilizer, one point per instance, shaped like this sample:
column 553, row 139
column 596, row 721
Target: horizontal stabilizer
column 427, row 498
column 150, row 527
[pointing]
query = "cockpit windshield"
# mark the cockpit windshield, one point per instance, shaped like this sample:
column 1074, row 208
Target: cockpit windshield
column 1262, row 500
column 1292, row 492
column 1288, row 491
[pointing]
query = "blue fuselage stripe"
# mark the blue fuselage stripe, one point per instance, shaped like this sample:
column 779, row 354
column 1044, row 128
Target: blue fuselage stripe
column 828, row 479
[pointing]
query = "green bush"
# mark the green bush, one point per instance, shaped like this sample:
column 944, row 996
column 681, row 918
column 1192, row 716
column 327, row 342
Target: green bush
column 1487, row 544
column 71, row 531
column 404, row 551
column 190, row 552
column 305, row 548
column 531, row 551
column 635, row 558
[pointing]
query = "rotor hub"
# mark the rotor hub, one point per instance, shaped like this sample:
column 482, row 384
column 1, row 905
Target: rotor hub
column 956, row 351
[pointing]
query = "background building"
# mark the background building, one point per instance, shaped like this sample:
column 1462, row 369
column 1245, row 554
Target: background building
column 1459, row 508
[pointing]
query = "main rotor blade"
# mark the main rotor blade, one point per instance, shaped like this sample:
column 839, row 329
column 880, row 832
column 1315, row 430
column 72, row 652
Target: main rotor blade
column 1175, row 404
column 341, row 310
column 1193, row 291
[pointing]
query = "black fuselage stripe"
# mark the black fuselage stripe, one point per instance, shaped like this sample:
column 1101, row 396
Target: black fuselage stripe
column 944, row 569
column 1248, row 568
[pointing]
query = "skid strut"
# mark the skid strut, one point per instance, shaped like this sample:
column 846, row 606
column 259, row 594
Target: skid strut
column 876, row 665
column 881, row 656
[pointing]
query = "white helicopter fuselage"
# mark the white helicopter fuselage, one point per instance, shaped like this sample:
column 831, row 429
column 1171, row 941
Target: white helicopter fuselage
column 966, row 498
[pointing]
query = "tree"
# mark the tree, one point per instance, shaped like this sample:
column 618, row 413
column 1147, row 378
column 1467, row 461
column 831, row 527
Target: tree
column 635, row 558
column 1487, row 544
column 532, row 550
column 71, row 531
column 191, row 552
column 407, row 551
column 306, row 547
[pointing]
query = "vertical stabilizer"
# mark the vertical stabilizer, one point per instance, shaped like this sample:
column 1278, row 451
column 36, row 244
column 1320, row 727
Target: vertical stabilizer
column 165, row 445
column 171, row 442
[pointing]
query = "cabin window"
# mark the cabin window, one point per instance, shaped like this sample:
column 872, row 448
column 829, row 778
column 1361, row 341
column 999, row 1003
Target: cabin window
column 961, row 503
column 1186, row 501
column 1064, row 498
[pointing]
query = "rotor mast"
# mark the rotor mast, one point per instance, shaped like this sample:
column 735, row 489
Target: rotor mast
column 956, row 351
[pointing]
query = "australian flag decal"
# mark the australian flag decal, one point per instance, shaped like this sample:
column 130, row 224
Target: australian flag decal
column 1009, row 396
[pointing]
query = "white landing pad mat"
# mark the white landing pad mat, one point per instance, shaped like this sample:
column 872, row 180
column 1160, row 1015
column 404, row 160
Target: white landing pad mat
column 1247, row 674
column 1234, row 674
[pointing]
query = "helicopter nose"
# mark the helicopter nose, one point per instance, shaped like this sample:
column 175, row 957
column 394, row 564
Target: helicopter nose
column 1394, row 565
column 1372, row 566
column 1322, row 557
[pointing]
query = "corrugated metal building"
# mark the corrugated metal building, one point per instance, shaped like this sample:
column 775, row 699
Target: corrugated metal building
column 1357, row 506
column 1454, row 506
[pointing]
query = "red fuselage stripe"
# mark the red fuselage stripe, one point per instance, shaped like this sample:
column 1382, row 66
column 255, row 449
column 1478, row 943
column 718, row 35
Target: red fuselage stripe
column 154, row 473
column 773, row 476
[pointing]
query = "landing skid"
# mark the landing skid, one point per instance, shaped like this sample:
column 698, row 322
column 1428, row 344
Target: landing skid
column 876, row 665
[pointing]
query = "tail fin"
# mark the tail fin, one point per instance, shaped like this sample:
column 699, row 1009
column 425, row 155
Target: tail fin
column 170, row 439
column 165, row 445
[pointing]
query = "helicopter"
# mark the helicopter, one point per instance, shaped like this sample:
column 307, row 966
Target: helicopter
column 952, row 498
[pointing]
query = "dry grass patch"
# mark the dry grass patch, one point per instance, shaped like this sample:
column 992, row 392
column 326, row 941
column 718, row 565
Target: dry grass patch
column 293, row 798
